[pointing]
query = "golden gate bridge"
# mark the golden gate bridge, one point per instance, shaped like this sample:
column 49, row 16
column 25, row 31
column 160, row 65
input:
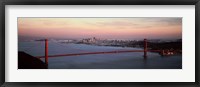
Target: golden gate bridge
column 145, row 50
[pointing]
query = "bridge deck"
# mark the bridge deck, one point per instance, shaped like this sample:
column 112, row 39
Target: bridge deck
column 107, row 52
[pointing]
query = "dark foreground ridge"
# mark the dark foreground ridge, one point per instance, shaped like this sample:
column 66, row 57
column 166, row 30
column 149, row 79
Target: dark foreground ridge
column 26, row 61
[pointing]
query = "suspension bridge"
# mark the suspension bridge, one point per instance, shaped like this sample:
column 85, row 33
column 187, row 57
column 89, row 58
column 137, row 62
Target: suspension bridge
column 145, row 50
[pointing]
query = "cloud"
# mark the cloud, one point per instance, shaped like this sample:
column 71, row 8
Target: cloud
column 137, row 23
column 117, row 23
column 172, row 21
column 54, row 22
column 163, row 20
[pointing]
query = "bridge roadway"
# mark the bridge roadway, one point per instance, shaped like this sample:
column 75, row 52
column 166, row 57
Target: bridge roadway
column 102, row 52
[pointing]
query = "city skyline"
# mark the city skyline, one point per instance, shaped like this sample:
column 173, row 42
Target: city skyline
column 105, row 28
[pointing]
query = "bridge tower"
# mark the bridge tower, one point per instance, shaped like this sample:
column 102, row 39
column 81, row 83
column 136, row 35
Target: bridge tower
column 145, row 48
column 46, row 52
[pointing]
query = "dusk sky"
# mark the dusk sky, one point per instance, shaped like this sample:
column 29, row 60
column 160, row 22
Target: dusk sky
column 104, row 28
